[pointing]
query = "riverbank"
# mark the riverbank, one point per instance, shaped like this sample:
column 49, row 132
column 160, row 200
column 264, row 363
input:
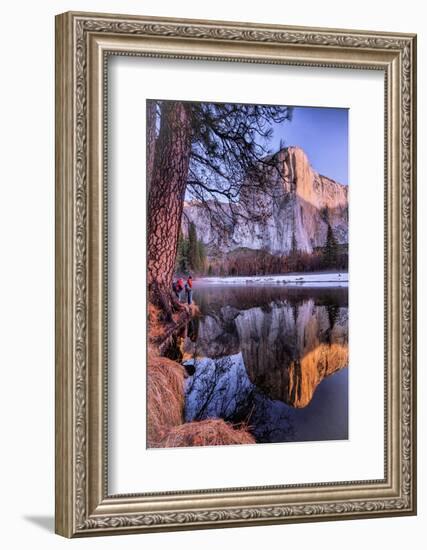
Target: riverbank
column 320, row 279
column 166, row 426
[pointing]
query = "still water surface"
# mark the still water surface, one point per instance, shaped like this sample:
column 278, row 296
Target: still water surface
column 272, row 358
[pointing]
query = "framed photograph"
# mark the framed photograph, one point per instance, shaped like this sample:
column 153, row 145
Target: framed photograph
column 235, row 274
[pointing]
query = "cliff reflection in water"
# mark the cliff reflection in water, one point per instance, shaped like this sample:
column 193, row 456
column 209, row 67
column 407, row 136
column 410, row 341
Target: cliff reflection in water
column 260, row 356
column 289, row 349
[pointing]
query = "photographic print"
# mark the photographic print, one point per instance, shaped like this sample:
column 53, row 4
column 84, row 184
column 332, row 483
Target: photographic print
column 247, row 274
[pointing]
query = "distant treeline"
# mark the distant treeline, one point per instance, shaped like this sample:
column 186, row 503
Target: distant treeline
column 260, row 262
column 192, row 256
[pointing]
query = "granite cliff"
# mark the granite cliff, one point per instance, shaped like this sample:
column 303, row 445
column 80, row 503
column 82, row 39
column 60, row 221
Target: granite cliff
column 299, row 204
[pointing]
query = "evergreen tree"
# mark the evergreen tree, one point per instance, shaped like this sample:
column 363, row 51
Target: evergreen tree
column 292, row 260
column 330, row 253
column 193, row 252
column 294, row 246
column 201, row 257
column 182, row 254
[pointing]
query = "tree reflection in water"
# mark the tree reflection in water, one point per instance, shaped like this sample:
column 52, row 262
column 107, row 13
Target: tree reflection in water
column 220, row 388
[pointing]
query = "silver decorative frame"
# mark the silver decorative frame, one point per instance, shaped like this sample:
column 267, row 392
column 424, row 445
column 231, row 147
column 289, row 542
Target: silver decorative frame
column 83, row 43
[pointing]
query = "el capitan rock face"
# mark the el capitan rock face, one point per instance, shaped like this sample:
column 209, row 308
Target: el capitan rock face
column 300, row 204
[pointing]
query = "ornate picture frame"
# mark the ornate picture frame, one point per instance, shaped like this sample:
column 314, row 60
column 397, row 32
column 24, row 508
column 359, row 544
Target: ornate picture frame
column 84, row 42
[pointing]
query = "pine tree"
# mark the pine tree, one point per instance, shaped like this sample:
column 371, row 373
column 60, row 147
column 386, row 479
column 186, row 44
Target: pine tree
column 182, row 254
column 167, row 182
column 193, row 254
column 292, row 260
column 294, row 246
column 330, row 254
column 201, row 256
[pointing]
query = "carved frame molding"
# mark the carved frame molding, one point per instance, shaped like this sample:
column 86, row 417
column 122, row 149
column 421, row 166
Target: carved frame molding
column 83, row 43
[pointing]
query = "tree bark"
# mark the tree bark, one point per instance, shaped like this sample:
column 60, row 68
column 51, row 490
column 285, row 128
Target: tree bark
column 151, row 139
column 165, row 201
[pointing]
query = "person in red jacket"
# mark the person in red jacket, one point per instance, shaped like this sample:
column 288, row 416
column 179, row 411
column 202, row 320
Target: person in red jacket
column 178, row 286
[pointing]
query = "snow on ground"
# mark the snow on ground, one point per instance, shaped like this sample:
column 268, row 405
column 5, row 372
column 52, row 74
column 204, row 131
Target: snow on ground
column 297, row 279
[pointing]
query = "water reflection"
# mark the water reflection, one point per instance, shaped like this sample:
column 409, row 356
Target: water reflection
column 289, row 349
column 221, row 388
column 258, row 355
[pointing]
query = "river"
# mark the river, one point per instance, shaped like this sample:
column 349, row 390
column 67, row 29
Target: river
column 271, row 357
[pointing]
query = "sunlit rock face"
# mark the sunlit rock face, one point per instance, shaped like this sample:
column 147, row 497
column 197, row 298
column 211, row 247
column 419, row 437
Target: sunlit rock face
column 288, row 351
column 296, row 202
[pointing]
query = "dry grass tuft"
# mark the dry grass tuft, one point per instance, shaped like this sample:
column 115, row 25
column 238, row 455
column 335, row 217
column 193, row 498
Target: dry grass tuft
column 165, row 397
column 156, row 328
column 206, row 432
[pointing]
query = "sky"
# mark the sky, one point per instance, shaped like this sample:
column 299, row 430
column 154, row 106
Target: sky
column 323, row 134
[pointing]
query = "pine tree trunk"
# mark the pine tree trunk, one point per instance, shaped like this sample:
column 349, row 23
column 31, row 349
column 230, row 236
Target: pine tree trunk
column 151, row 139
column 165, row 201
